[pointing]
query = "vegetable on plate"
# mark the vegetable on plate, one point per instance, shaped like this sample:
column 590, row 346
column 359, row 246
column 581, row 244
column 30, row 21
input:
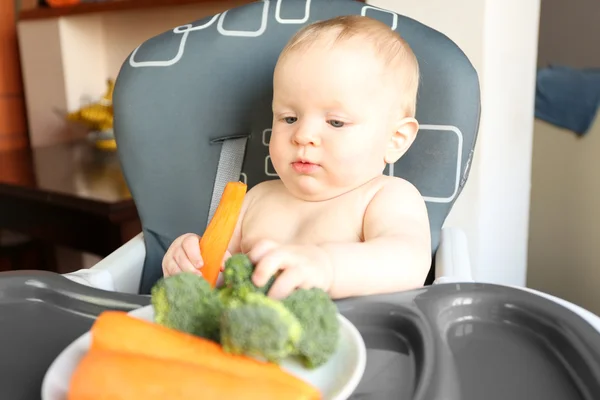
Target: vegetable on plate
column 104, row 375
column 211, row 342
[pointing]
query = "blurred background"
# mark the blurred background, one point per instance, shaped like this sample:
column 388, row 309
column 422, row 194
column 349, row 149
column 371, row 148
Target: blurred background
column 528, row 208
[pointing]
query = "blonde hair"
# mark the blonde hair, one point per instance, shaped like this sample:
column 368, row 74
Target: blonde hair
column 396, row 54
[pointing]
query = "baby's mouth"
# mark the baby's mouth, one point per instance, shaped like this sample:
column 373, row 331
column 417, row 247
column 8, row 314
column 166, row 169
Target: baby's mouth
column 304, row 167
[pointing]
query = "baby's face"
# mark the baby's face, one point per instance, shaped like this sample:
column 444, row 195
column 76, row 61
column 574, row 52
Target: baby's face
column 332, row 119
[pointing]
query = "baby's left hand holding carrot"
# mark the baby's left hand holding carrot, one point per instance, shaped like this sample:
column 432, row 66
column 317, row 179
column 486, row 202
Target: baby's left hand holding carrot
column 184, row 256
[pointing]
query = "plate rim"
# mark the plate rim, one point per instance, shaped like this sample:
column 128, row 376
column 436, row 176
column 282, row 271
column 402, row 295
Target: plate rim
column 352, row 382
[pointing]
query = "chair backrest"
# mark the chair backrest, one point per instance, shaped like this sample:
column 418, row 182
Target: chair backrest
column 181, row 95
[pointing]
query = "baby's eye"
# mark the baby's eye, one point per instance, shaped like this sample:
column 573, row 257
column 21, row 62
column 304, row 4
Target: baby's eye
column 336, row 123
column 290, row 120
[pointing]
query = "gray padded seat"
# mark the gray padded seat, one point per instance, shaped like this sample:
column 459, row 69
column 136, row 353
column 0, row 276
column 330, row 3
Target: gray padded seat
column 184, row 93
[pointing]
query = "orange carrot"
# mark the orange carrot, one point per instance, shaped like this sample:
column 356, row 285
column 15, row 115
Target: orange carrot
column 117, row 331
column 218, row 233
column 104, row 375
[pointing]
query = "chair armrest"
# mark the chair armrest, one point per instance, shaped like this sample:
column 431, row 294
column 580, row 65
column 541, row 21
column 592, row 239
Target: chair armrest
column 120, row 271
column 452, row 263
column 587, row 315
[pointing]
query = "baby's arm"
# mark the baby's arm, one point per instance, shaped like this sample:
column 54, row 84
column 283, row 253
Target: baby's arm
column 396, row 252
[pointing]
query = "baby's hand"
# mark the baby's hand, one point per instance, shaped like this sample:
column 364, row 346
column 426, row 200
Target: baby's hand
column 184, row 255
column 301, row 266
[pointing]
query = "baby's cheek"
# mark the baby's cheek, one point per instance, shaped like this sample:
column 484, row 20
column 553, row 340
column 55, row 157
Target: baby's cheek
column 355, row 163
column 276, row 153
column 348, row 165
column 350, row 155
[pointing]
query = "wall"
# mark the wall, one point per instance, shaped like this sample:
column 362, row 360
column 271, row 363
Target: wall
column 564, row 222
column 493, row 209
column 569, row 33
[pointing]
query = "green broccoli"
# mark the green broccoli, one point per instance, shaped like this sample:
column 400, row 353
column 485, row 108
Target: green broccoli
column 238, row 270
column 244, row 320
column 188, row 303
column 238, row 273
column 317, row 315
column 259, row 326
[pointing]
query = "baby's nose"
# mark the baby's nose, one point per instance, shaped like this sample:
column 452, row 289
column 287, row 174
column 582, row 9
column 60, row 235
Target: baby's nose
column 305, row 137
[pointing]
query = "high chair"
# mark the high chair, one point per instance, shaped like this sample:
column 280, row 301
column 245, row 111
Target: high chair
column 192, row 110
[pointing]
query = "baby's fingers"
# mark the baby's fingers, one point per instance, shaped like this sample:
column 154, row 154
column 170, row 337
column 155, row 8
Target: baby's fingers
column 191, row 248
column 289, row 280
column 227, row 255
column 261, row 249
column 269, row 265
column 169, row 267
column 183, row 262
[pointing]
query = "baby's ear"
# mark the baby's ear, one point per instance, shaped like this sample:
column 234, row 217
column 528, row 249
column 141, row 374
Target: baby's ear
column 403, row 137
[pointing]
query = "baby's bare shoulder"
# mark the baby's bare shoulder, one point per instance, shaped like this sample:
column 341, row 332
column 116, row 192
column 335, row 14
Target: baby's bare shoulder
column 398, row 192
column 394, row 186
column 397, row 208
column 263, row 189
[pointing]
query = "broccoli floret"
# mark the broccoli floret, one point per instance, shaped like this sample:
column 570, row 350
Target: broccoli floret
column 317, row 315
column 188, row 303
column 238, row 274
column 238, row 270
column 261, row 327
column 228, row 295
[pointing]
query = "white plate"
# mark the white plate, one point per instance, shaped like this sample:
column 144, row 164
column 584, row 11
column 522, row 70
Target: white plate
column 336, row 379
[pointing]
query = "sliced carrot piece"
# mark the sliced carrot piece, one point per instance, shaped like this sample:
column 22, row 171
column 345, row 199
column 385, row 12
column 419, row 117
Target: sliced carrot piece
column 104, row 375
column 118, row 331
column 218, row 233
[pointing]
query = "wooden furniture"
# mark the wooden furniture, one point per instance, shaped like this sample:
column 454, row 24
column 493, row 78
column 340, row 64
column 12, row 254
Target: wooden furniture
column 103, row 6
column 68, row 194
column 64, row 192
column 13, row 125
column 68, row 53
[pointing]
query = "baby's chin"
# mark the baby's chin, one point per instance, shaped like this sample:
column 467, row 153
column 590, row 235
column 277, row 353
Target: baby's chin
column 309, row 188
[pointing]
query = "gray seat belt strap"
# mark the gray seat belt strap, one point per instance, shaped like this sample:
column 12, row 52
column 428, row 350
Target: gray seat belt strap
column 228, row 169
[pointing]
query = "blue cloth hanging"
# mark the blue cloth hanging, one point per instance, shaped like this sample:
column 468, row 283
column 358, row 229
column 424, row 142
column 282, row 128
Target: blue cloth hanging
column 568, row 97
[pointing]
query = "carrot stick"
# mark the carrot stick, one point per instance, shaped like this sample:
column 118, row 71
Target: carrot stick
column 219, row 231
column 104, row 375
column 118, row 331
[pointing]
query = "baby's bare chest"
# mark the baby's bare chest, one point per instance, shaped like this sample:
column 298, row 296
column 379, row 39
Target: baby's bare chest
column 293, row 222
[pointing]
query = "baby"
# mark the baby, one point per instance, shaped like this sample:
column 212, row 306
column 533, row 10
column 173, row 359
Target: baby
column 343, row 107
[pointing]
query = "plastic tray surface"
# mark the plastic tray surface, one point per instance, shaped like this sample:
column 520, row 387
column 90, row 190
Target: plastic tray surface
column 451, row 341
